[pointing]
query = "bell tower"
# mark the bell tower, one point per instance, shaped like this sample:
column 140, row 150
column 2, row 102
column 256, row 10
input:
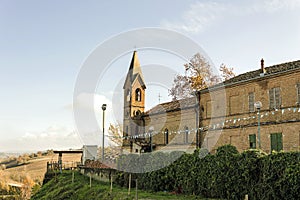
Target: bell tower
column 134, row 98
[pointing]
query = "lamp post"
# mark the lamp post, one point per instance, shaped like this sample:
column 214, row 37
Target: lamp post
column 258, row 106
column 103, row 109
column 151, row 129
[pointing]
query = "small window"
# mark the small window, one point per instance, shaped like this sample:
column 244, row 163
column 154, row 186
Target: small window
column 138, row 94
column 126, row 132
column 251, row 101
column 276, row 142
column 186, row 138
column 138, row 112
column 298, row 93
column 274, row 98
column 128, row 95
column 166, row 136
column 252, row 141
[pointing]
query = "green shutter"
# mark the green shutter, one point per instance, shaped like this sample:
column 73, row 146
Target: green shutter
column 276, row 142
column 279, row 142
column 273, row 142
column 252, row 141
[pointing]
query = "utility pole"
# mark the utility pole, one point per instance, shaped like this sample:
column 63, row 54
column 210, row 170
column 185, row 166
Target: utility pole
column 103, row 109
column 258, row 106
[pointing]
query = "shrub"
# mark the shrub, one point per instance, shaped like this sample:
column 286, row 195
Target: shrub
column 227, row 174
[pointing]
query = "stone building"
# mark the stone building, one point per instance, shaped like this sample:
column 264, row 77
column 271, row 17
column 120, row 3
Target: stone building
column 222, row 114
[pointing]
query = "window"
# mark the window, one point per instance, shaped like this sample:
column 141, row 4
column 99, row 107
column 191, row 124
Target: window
column 298, row 93
column 251, row 101
column 276, row 142
column 138, row 94
column 166, row 136
column 274, row 97
column 126, row 132
column 138, row 112
column 186, row 134
column 128, row 95
column 252, row 141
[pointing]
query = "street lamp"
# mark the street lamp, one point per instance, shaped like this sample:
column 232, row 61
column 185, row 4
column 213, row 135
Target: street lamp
column 151, row 129
column 103, row 108
column 258, row 106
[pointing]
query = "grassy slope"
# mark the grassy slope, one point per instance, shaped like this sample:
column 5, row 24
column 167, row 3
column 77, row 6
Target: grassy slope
column 62, row 187
column 35, row 169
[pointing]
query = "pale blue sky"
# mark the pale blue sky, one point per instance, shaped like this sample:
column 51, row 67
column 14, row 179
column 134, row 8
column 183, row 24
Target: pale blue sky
column 44, row 43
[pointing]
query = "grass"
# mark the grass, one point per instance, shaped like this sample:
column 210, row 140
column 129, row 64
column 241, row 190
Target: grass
column 61, row 187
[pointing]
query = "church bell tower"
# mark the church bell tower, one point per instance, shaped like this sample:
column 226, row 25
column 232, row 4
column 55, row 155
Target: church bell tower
column 134, row 99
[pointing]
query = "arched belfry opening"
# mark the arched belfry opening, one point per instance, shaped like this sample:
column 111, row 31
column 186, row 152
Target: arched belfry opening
column 134, row 98
column 138, row 94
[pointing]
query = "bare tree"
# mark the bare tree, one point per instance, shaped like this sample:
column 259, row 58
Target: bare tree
column 115, row 133
column 227, row 72
column 181, row 87
column 198, row 75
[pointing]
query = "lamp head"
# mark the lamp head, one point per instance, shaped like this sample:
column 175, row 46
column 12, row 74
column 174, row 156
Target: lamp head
column 103, row 107
column 258, row 105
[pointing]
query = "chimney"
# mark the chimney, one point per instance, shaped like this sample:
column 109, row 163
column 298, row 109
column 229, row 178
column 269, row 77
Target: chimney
column 262, row 67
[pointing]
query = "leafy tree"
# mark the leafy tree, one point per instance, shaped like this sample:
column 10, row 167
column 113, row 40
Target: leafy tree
column 198, row 75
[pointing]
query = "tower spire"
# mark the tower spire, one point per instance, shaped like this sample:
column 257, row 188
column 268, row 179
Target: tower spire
column 135, row 70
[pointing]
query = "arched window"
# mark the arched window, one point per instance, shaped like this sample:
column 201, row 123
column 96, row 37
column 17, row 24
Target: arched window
column 186, row 134
column 138, row 94
column 138, row 112
column 128, row 95
column 126, row 133
column 166, row 136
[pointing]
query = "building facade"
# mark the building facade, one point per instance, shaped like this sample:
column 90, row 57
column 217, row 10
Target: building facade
column 222, row 114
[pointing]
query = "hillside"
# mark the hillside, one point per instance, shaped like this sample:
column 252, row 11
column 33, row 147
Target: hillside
column 26, row 171
column 34, row 168
column 62, row 187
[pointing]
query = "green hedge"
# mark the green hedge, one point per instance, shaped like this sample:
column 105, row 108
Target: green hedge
column 227, row 174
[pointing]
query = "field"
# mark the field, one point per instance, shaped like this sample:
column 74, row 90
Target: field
column 34, row 169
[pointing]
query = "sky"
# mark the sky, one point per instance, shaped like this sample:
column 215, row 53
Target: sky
column 44, row 45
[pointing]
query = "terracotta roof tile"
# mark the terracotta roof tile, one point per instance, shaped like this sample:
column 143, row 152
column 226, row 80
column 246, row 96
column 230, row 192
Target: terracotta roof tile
column 173, row 105
column 269, row 70
column 95, row 164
